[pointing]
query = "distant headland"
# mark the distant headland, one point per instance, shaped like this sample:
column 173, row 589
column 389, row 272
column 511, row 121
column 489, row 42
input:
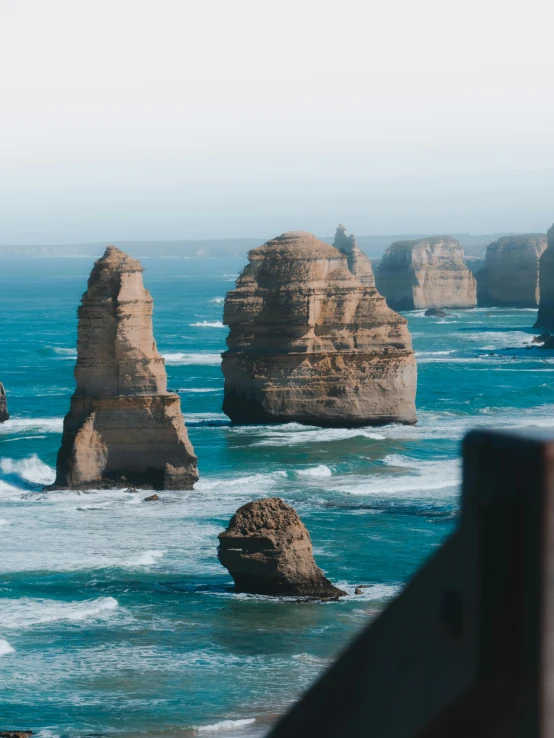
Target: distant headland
column 374, row 246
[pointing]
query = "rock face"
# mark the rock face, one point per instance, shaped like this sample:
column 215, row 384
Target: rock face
column 545, row 318
column 510, row 277
column 124, row 427
column 430, row 272
column 268, row 551
column 358, row 263
column 310, row 343
column 3, row 404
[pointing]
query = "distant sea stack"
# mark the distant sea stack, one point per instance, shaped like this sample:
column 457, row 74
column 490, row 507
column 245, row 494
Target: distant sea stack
column 545, row 318
column 268, row 551
column 309, row 343
column 123, row 428
column 358, row 263
column 4, row 415
column 510, row 277
column 426, row 273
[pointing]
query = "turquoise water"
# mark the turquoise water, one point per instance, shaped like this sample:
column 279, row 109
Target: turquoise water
column 116, row 617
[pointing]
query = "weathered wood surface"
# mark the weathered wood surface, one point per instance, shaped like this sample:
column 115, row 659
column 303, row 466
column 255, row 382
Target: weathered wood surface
column 466, row 650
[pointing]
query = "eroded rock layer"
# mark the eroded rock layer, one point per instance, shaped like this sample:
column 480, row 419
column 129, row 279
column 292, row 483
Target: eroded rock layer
column 3, row 404
column 510, row 277
column 124, row 427
column 425, row 273
column 358, row 263
column 310, row 343
column 268, row 551
column 545, row 318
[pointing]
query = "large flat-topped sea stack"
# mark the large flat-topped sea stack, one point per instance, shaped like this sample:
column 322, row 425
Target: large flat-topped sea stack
column 358, row 263
column 310, row 343
column 426, row 273
column 4, row 415
column 510, row 277
column 124, row 427
column 545, row 318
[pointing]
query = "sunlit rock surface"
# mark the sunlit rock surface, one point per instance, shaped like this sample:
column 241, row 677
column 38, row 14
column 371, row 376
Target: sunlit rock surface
column 124, row 427
column 308, row 342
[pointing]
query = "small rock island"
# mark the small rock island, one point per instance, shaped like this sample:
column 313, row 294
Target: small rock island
column 426, row 273
column 123, row 428
column 510, row 277
column 4, row 415
column 309, row 343
column 268, row 551
column 545, row 318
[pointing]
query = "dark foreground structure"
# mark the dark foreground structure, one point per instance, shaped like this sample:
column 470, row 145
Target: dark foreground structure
column 467, row 649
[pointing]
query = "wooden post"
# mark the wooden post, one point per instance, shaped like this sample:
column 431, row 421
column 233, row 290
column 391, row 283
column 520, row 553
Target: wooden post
column 467, row 649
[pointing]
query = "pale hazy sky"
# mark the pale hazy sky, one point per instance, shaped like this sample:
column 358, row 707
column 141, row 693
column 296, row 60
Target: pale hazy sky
column 169, row 119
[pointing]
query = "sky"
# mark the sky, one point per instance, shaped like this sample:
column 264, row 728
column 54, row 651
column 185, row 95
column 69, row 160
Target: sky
column 174, row 119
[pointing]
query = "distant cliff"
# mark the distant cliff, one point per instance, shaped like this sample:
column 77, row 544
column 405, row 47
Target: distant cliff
column 545, row 318
column 427, row 273
column 510, row 277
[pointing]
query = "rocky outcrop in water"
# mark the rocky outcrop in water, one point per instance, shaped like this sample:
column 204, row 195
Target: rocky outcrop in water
column 268, row 551
column 358, row 263
column 425, row 273
column 510, row 277
column 123, row 428
column 4, row 415
column 310, row 343
column 545, row 318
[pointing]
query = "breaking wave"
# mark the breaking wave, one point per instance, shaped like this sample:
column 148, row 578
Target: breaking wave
column 181, row 359
column 29, row 611
column 207, row 324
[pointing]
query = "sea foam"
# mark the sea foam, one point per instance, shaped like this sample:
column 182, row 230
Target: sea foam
column 181, row 359
column 225, row 725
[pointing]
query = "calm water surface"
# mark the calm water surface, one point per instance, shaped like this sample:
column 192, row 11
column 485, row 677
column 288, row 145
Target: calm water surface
column 116, row 617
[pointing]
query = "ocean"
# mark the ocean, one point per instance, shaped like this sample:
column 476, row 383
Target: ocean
column 116, row 617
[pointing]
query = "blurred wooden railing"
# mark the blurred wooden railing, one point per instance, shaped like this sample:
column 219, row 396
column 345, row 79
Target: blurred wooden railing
column 467, row 649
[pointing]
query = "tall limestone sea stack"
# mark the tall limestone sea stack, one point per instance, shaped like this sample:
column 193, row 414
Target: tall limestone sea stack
column 426, row 273
column 545, row 318
column 124, row 427
column 358, row 263
column 3, row 404
column 510, row 277
column 310, row 343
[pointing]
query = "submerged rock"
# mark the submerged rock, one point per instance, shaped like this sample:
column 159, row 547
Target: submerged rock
column 435, row 313
column 545, row 318
column 268, row 551
column 358, row 263
column 310, row 343
column 123, row 426
column 510, row 277
column 15, row 733
column 429, row 272
column 4, row 415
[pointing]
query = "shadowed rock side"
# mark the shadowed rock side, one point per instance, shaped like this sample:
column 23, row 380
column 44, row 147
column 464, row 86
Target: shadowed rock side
column 3, row 404
column 268, row 551
column 358, row 263
column 124, row 427
column 430, row 272
column 308, row 342
column 510, row 277
column 545, row 318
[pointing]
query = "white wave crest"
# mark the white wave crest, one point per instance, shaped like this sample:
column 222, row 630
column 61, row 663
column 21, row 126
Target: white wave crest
column 316, row 471
column 292, row 434
column 5, row 647
column 28, row 611
column 218, row 300
column 146, row 558
column 181, row 359
column 31, row 469
column 41, row 425
column 197, row 390
column 207, row 324
column 225, row 725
